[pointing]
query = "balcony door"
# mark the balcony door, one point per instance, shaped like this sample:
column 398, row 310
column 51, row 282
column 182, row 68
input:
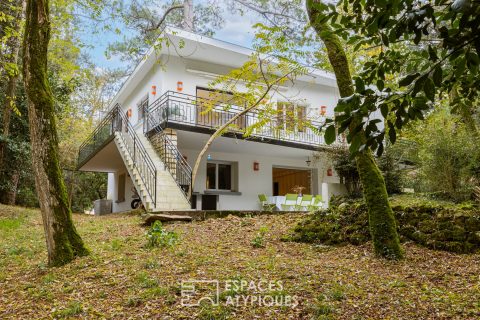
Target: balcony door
column 215, row 108
column 291, row 117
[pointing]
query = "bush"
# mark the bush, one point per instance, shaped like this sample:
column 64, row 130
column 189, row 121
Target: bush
column 259, row 240
column 447, row 156
column 391, row 172
column 346, row 168
column 157, row 236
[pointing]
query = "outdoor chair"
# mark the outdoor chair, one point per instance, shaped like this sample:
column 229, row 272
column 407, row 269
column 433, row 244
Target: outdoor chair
column 266, row 205
column 290, row 202
column 316, row 204
column 305, row 203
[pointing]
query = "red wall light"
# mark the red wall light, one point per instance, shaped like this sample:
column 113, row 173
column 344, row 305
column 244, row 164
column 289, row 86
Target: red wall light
column 256, row 166
column 154, row 90
column 180, row 86
column 323, row 110
column 129, row 113
column 329, row 172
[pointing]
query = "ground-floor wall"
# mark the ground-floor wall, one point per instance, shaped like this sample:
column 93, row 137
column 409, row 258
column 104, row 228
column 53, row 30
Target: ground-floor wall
column 120, row 190
column 254, row 176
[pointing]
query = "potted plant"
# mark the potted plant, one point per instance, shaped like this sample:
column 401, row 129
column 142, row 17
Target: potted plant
column 298, row 190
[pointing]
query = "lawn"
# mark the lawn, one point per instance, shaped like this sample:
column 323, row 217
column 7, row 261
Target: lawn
column 122, row 278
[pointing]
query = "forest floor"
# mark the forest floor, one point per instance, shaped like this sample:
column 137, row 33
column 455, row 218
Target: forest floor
column 122, row 278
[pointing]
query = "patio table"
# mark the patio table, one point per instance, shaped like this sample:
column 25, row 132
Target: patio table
column 279, row 200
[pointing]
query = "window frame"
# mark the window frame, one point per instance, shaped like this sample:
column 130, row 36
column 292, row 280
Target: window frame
column 232, row 175
column 142, row 107
column 292, row 116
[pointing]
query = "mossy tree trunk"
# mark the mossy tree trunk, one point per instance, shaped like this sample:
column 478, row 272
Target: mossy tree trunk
column 63, row 241
column 381, row 220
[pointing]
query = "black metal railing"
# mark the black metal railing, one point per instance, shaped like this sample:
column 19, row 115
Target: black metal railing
column 200, row 112
column 174, row 161
column 98, row 138
column 116, row 121
column 141, row 160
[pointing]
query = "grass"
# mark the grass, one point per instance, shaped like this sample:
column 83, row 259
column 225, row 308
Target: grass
column 123, row 278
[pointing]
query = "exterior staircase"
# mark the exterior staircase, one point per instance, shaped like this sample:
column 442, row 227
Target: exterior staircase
column 159, row 194
column 160, row 174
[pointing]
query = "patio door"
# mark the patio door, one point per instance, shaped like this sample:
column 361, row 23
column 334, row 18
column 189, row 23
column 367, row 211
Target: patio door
column 286, row 179
column 215, row 108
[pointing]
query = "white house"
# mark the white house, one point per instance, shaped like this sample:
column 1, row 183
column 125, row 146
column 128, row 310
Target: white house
column 156, row 127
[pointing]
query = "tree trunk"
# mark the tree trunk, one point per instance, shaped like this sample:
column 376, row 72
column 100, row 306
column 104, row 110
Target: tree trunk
column 11, row 195
column 381, row 220
column 63, row 241
column 188, row 15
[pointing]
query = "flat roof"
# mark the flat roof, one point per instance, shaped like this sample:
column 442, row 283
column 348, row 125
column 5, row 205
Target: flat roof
column 207, row 49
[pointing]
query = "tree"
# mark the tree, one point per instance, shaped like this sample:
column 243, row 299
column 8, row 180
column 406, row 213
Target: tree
column 381, row 220
column 63, row 241
column 147, row 19
column 9, row 65
column 432, row 47
column 262, row 76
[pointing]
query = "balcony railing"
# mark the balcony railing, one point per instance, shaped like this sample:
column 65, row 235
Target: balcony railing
column 102, row 134
column 174, row 107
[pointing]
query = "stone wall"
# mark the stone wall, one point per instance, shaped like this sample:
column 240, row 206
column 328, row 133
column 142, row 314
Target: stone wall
column 436, row 227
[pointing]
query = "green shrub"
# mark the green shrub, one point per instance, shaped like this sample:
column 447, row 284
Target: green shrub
column 259, row 240
column 157, row 236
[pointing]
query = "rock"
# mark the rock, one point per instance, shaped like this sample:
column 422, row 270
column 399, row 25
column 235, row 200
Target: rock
column 427, row 226
column 472, row 224
column 151, row 218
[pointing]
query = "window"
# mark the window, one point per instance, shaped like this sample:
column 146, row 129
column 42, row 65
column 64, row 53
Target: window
column 221, row 176
column 216, row 107
column 290, row 116
column 142, row 107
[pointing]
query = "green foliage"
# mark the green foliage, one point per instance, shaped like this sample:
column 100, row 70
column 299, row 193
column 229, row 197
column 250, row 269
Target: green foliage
column 157, row 236
column 209, row 312
column 346, row 168
column 432, row 47
column 391, row 172
column 446, row 155
column 145, row 281
column 10, row 224
column 259, row 240
column 143, row 17
column 74, row 308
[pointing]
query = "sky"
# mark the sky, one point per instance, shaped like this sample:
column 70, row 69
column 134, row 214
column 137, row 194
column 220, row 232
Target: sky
column 237, row 29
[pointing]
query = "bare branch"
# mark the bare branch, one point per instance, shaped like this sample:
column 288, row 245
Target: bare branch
column 162, row 20
column 265, row 12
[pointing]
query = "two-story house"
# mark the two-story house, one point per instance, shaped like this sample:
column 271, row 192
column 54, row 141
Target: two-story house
column 157, row 125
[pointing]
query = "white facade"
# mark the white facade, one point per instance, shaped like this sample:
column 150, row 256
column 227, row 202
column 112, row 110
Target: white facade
column 195, row 65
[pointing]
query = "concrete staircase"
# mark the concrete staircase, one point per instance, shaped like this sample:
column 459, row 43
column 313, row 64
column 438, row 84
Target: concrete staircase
column 169, row 196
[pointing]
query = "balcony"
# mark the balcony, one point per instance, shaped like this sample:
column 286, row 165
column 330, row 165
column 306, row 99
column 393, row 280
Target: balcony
column 100, row 137
column 187, row 112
